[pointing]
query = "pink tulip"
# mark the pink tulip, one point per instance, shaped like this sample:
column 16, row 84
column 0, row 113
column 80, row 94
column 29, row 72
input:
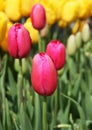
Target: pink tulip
column 43, row 75
column 56, row 50
column 19, row 41
column 38, row 16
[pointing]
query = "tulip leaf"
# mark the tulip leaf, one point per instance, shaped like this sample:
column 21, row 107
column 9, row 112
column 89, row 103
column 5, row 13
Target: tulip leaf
column 88, row 105
column 12, row 84
column 30, row 108
column 1, row 128
column 24, row 120
column 90, row 80
column 71, row 67
column 77, row 85
column 8, row 120
column 2, row 87
column 63, row 115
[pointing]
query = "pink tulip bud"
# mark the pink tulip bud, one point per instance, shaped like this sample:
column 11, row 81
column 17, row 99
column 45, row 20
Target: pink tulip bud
column 44, row 75
column 56, row 50
column 19, row 41
column 38, row 16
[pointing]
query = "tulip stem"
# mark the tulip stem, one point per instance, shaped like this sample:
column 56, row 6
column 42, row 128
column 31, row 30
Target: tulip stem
column 39, row 44
column 19, row 91
column 44, row 117
column 37, row 112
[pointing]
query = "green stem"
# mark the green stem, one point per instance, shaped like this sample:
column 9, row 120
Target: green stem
column 44, row 116
column 55, row 35
column 19, row 89
column 54, row 104
column 56, row 101
column 37, row 112
column 39, row 44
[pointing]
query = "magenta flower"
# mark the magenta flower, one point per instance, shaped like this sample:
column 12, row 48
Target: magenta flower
column 56, row 50
column 38, row 16
column 43, row 75
column 19, row 41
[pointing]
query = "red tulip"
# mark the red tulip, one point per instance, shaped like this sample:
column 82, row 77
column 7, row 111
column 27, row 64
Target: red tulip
column 38, row 16
column 19, row 41
column 44, row 75
column 56, row 50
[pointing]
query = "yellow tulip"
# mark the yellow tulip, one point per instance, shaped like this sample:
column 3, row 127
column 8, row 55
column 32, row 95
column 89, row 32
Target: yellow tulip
column 58, row 4
column 2, row 5
column 3, row 25
column 62, row 23
column 84, row 8
column 50, row 12
column 3, row 44
column 69, row 11
column 51, row 16
column 90, row 7
column 82, row 23
column 76, row 26
column 12, row 9
column 33, row 32
column 26, row 6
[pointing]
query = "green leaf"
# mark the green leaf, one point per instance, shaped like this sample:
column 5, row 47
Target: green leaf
column 1, row 128
column 77, row 85
column 88, row 105
column 2, row 88
column 89, row 73
column 71, row 67
column 37, row 120
column 8, row 119
column 30, row 108
column 24, row 120
column 63, row 115
column 12, row 84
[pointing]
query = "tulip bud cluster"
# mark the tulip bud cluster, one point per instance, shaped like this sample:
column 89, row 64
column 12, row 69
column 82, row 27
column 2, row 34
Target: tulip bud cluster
column 44, row 75
column 44, row 64
column 75, row 41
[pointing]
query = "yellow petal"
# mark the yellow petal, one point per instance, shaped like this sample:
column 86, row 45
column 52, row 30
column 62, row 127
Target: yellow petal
column 12, row 9
column 2, row 5
column 62, row 23
column 84, row 8
column 70, row 10
column 33, row 32
column 3, row 25
column 50, row 12
column 26, row 6
column 76, row 27
column 4, row 45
